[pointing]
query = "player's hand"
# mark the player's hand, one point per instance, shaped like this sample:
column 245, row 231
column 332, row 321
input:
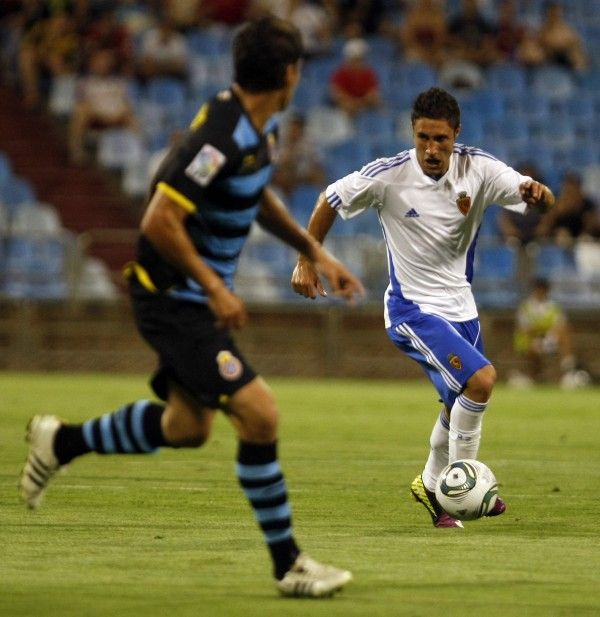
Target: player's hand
column 228, row 308
column 536, row 194
column 306, row 281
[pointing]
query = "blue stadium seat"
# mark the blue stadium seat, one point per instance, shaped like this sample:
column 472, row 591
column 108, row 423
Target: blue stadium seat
column 5, row 170
column 552, row 82
column 169, row 96
column 552, row 261
column 489, row 229
column 303, row 200
column 375, row 127
column 18, row 191
column 495, row 279
column 513, row 133
column 414, row 77
column 510, row 79
column 485, row 103
column 206, row 42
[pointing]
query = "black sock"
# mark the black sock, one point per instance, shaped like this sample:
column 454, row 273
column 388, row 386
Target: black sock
column 132, row 429
column 264, row 485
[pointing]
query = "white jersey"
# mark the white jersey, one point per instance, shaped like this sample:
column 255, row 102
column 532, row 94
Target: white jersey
column 430, row 226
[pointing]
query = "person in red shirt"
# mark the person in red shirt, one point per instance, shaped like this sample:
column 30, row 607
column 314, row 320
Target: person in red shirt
column 354, row 86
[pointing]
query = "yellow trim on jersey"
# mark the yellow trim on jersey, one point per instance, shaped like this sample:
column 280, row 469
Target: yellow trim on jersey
column 134, row 269
column 187, row 204
column 200, row 117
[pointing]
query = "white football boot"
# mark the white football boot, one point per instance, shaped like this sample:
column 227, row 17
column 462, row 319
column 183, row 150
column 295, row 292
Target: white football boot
column 41, row 462
column 311, row 579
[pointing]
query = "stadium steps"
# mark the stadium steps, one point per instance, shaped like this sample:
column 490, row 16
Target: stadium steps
column 85, row 198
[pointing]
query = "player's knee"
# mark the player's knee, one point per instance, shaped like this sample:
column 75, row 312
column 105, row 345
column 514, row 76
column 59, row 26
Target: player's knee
column 482, row 383
column 185, row 433
column 262, row 425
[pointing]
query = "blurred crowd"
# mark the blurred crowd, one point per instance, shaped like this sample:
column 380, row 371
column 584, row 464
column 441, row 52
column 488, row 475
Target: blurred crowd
column 91, row 62
column 46, row 39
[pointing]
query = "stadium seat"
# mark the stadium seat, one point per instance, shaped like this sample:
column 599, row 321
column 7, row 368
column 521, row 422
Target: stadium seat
column 118, row 148
column 170, row 96
column 552, row 82
column 18, row 191
column 510, row 79
column 413, row 77
column 489, row 229
column 484, row 103
column 5, row 170
column 552, row 261
column 303, row 200
column 495, row 281
column 206, row 42
column 513, row 133
column 375, row 127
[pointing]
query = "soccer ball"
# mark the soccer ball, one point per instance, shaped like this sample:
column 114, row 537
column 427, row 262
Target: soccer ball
column 466, row 489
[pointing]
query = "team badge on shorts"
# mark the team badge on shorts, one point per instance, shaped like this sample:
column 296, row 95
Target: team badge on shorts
column 463, row 201
column 455, row 361
column 230, row 367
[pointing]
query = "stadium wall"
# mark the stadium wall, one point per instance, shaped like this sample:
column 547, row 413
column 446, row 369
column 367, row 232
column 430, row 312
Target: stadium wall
column 303, row 340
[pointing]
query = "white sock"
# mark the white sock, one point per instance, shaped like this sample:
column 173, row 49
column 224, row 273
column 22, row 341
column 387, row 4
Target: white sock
column 466, row 418
column 438, row 455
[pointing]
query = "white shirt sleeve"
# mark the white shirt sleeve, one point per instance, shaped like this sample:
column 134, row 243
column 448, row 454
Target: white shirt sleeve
column 354, row 194
column 502, row 186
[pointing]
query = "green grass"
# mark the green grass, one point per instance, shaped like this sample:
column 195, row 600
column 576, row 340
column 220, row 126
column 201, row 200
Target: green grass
column 171, row 534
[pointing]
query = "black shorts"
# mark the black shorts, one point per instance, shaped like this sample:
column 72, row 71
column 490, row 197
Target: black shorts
column 193, row 353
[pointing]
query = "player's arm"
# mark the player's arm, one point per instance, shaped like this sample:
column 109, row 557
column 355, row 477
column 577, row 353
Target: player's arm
column 274, row 217
column 305, row 278
column 537, row 195
column 163, row 224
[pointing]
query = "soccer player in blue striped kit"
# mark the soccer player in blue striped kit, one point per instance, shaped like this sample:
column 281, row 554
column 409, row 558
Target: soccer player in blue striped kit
column 430, row 201
column 206, row 194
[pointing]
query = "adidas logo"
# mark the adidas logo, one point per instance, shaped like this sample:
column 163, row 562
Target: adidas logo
column 412, row 214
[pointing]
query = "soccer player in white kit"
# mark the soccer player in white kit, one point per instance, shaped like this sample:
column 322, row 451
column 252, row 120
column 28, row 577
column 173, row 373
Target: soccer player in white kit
column 430, row 201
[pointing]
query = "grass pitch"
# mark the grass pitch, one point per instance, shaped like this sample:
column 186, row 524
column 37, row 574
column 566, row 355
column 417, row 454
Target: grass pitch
column 171, row 534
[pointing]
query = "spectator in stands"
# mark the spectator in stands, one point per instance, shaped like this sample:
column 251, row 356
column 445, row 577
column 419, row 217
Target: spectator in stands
column 299, row 161
column 522, row 228
column 354, row 86
column 315, row 23
column 184, row 14
column 363, row 17
column 542, row 330
column 424, row 33
column 561, row 42
column 472, row 36
column 315, row 20
column 106, row 32
column 509, row 32
column 49, row 49
column 163, row 52
column 530, row 52
column 575, row 215
column 102, row 101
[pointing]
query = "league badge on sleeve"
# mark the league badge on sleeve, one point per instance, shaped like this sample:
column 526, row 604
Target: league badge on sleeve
column 463, row 201
column 205, row 165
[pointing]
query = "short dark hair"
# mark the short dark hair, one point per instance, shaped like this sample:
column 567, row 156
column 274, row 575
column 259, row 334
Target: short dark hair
column 262, row 50
column 437, row 104
column 540, row 282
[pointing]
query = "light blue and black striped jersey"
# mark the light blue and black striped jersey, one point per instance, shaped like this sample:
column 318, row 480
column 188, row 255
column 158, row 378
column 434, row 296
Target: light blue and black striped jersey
column 217, row 173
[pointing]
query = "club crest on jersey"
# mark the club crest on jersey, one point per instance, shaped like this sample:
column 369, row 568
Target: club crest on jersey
column 230, row 367
column 455, row 361
column 463, row 201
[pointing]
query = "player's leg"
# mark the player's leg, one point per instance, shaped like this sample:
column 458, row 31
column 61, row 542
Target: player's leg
column 466, row 414
column 253, row 412
column 140, row 427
